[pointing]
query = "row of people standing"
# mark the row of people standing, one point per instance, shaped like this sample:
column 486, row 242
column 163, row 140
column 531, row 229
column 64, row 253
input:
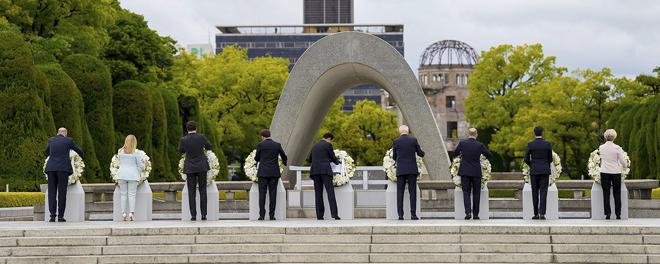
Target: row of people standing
column 406, row 148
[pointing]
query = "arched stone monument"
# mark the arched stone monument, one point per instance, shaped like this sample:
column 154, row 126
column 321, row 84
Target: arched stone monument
column 342, row 61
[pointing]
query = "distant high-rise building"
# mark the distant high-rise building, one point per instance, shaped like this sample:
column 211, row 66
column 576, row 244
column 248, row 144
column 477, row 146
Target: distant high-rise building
column 328, row 11
column 200, row 50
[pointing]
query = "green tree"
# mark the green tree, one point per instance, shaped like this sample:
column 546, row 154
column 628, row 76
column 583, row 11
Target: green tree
column 159, row 138
column 132, row 110
column 174, row 130
column 23, row 115
column 498, row 90
column 93, row 80
column 67, row 108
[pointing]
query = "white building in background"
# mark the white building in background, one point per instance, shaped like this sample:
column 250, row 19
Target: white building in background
column 200, row 50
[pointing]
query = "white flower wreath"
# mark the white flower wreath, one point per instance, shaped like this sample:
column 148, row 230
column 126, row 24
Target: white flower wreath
column 555, row 170
column 251, row 168
column 389, row 165
column 485, row 171
column 144, row 174
column 214, row 164
column 346, row 167
column 594, row 166
column 77, row 164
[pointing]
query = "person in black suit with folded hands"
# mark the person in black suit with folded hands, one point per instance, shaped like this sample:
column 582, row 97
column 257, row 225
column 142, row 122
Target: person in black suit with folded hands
column 321, row 173
column 195, row 166
column 470, row 151
column 268, row 172
column 58, row 170
column 539, row 157
column 405, row 150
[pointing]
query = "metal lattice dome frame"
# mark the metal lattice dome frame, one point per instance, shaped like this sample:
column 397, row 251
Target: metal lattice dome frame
column 449, row 53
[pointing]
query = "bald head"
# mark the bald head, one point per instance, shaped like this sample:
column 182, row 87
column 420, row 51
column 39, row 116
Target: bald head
column 472, row 133
column 62, row 131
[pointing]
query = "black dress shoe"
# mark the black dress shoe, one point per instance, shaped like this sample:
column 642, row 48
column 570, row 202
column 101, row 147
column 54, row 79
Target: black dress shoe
column 203, row 218
column 61, row 220
column 272, row 218
column 319, row 218
column 607, row 217
column 414, row 217
column 52, row 220
column 337, row 218
column 400, row 217
column 468, row 216
column 261, row 218
column 542, row 217
column 536, row 217
column 618, row 217
column 193, row 219
column 476, row 217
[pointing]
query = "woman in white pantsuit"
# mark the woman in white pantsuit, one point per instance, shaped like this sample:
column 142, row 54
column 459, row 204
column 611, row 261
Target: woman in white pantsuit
column 611, row 166
column 130, row 166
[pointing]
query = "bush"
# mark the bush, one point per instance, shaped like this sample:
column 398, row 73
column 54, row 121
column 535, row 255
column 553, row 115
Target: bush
column 67, row 108
column 21, row 199
column 24, row 116
column 161, row 164
column 174, row 131
column 133, row 112
column 95, row 84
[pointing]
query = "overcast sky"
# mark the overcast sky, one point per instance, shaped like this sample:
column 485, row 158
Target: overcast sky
column 621, row 35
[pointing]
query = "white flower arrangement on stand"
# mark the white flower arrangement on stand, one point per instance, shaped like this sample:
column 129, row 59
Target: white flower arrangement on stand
column 389, row 165
column 555, row 170
column 250, row 167
column 346, row 168
column 214, row 165
column 485, row 171
column 144, row 174
column 593, row 165
column 77, row 164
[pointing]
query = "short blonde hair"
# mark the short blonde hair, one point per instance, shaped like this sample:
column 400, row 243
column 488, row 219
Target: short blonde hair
column 404, row 129
column 472, row 132
column 130, row 144
column 610, row 134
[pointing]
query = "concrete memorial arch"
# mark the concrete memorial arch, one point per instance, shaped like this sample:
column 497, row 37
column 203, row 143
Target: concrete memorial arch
column 342, row 61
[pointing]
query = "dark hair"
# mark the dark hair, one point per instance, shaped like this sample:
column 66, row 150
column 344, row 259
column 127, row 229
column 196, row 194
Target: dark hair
column 265, row 133
column 328, row 136
column 191, row 126
column 538, row 131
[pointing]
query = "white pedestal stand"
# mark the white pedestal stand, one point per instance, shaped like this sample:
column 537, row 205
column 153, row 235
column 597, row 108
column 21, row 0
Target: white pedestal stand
column 280, row 208
column 143, row 203
column 391, row 206
column 75, row 204
column 212, row 203
column 598, row 206
column 459, row 207
column 552, row 203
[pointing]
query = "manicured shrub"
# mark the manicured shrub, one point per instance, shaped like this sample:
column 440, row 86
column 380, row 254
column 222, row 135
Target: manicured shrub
column 21, row 199
column 161, row 164
column 133, row 110
column 174, row 130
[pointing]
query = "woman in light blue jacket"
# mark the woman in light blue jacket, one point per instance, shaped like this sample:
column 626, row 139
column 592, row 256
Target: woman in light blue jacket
column 130, row 167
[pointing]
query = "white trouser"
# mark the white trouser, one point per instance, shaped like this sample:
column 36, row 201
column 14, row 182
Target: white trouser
column 127, row 190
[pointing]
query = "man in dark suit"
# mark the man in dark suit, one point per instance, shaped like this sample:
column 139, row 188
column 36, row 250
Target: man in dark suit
column 195, row 167
column 470, row 151
column 321, row 173
column 405, row 150
column 58, row 170
column 539, row 157
column 268, row 172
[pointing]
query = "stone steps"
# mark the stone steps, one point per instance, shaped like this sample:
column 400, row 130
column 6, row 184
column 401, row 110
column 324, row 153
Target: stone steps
column 297, row 243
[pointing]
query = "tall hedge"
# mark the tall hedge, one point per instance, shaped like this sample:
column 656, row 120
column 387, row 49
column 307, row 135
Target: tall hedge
column 159, row 141
column 174, row 129
column 132, row 110
column 67, row 108
column 93, row 80
column 23, row 116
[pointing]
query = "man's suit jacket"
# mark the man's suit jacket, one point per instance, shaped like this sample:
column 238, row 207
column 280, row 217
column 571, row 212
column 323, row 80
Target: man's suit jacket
column 405, row 149
column 57, row 150
column 194, row 146
column 267, row 157
column 539, row 156
column 322, row 155
column 470, row 151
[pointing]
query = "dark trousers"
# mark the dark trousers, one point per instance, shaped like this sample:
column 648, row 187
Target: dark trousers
column 539, row 184
column 267, row 184
column 471, row 193
column 401, row 181
column 58, row 181
column 198, row 180
column 611, row 181
column 321, row 181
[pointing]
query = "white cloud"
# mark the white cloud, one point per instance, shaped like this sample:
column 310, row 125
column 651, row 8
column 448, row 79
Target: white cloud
column 621, row 35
